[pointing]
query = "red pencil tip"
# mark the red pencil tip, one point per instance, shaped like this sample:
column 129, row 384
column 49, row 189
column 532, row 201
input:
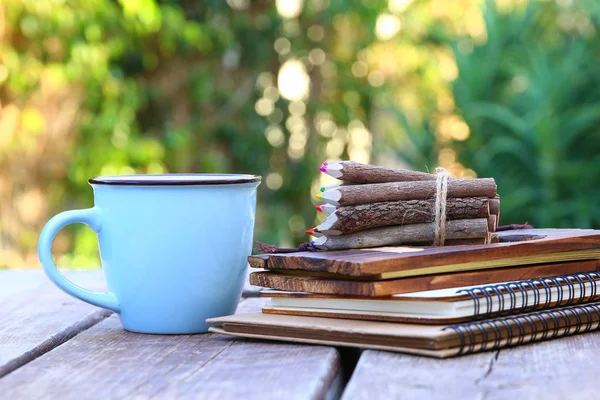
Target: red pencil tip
column 310, row 231
column 319, row 208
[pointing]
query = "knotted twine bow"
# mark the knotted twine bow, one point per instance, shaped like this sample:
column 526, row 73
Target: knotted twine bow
column 441, row 193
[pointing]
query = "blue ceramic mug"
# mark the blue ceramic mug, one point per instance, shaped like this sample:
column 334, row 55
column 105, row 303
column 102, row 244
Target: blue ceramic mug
column 174, row 247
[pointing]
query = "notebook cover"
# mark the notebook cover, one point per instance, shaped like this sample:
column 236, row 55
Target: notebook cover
column 429, row 336
column 365, row 316
column 440, row 341
column 515, row 248
column 429, row 353
column 390, row 287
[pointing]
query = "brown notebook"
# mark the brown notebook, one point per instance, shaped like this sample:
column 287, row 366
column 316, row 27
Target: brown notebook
column 523, row 247
column 293, row 282
column 430, row 340
column 444, row 306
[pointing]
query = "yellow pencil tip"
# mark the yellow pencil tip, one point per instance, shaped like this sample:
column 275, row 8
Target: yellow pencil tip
column 318, row 196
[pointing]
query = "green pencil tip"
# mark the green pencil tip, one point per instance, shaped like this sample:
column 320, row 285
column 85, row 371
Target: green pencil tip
column 322, row 189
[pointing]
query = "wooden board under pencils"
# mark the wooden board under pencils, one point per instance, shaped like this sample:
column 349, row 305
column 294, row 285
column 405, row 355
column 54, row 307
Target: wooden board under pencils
column 519, row 247
column 295, row 283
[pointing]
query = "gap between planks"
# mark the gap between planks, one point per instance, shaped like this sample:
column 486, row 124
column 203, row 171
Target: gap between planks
column 39, row 317
column 105, row 361
column 36, row 317
column 552, row 370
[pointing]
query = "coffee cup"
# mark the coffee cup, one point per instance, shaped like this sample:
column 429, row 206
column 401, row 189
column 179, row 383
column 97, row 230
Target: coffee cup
column 173, row 247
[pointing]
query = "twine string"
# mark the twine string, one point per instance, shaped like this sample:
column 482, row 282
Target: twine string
column 441, row 193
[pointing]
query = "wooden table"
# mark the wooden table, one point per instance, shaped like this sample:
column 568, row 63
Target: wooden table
column 55, row 347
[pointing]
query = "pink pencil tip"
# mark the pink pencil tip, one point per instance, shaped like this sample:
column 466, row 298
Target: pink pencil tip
column 323, row 168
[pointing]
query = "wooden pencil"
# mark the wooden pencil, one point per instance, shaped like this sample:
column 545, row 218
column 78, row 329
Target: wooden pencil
column 335, row 185
column 495, row 209
column 326, row 209
column 495, row 205
column 418, row 190
column 394, row 235
column 352, row 171
column 349, row 219
column 492, row 223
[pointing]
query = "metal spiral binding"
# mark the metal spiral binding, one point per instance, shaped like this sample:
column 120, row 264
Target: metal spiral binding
column 516, row 330
column 485, row 297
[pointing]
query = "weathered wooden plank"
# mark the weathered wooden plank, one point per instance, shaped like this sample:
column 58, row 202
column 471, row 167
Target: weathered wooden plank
column 21, row 280
column 36, row 316
column 557, row 369
column 565, row 368
column 401, row 376
column 107, row 362
column 15, row 281
column 98, row 275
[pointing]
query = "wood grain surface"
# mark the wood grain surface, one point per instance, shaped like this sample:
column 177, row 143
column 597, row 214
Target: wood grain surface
column 36, row 316
column 373, row 193
column 400, row 376
column 107, row 362
column 564, row 368
column 16, row 281
column 291, row 283
column 352, row 171
column 402, row 235
column 104, row 361
column 365, row 262
column 350, row 219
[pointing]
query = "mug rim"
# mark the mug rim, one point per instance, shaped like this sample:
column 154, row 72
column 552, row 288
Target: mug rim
column 191, row 179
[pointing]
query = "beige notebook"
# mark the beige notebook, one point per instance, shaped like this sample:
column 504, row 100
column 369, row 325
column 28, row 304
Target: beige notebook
column 431, row 340
column 444, row 306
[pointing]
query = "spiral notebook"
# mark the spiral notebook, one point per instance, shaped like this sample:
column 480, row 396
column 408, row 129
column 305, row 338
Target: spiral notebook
column 444, row 306
column 430, row 340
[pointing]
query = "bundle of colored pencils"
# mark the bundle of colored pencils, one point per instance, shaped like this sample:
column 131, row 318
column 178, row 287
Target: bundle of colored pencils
column 375, row 206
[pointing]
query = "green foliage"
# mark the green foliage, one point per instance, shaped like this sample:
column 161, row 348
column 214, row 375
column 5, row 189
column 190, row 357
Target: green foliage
column 172, row 86
column 531, row 97
column 149, row 86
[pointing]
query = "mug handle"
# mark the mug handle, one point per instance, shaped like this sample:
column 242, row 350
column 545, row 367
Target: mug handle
column 91, row 218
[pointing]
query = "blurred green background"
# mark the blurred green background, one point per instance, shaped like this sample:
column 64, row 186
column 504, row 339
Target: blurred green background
column 508, row 89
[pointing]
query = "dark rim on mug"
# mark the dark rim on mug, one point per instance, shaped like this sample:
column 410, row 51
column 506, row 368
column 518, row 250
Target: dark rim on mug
column 174, row 179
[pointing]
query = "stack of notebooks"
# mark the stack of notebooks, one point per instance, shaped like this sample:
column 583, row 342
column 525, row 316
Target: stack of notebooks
column 437, row 301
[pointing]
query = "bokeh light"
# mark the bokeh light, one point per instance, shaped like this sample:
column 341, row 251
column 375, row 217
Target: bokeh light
column 387, row 26
column 293, row 80
column 274, row 135
column 399, row 6
column 289, row 8
column 274, row 181
column 274, row 88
